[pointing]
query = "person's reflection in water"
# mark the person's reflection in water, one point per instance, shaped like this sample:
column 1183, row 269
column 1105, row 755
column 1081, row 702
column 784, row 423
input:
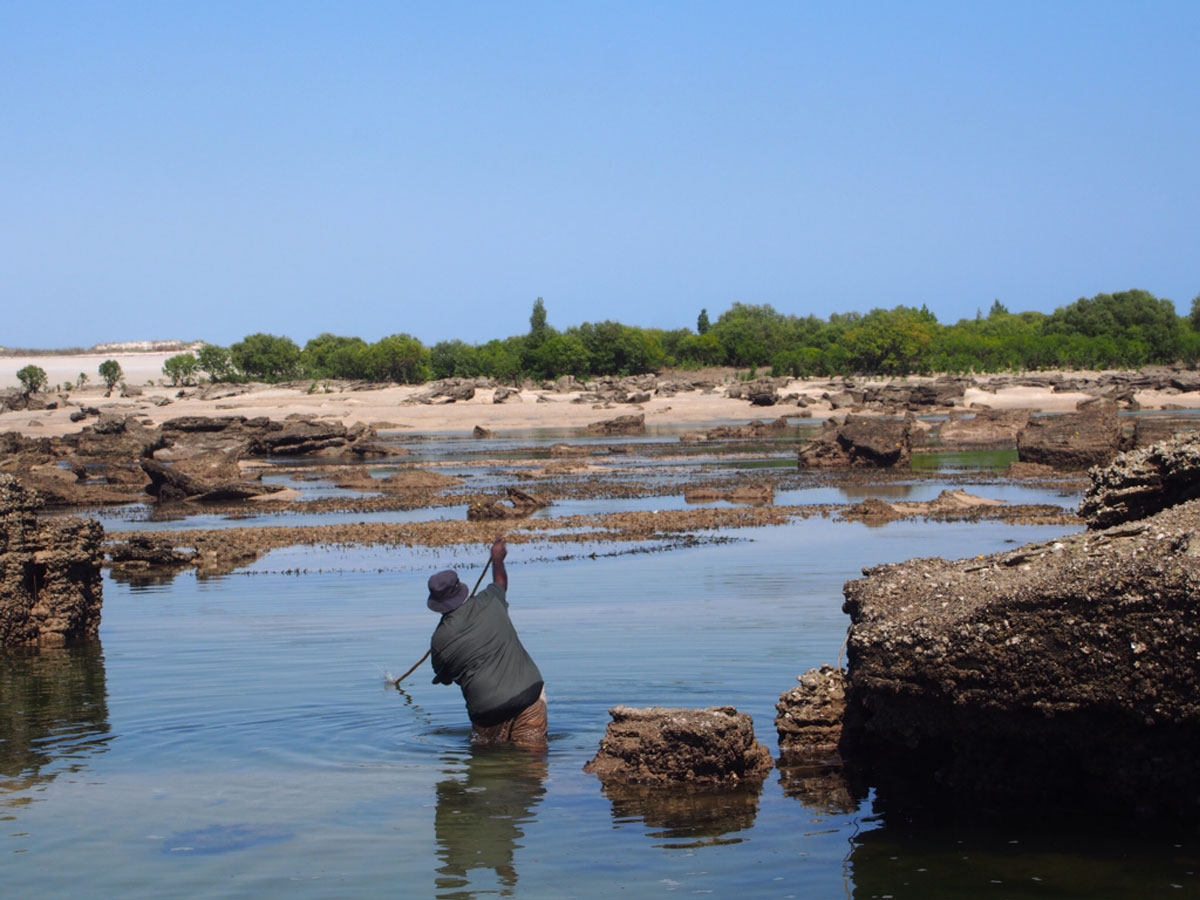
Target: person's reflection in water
column 53, row 714
column 480, row 817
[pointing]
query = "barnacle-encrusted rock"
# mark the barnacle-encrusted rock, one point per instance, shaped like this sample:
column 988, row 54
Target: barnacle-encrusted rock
column 713, row 746
column 809, row 715
column 1142, row 482
column 1065, row 671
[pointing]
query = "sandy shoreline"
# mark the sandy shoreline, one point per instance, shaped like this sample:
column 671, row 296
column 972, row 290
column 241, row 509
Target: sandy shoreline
column 394, row 408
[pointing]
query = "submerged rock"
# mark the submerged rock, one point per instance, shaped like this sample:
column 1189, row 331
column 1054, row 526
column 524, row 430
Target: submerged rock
column 661, row 746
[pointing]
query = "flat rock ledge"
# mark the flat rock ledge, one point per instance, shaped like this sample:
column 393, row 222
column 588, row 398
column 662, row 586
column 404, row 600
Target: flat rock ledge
column 713, row 747
column 50, row 584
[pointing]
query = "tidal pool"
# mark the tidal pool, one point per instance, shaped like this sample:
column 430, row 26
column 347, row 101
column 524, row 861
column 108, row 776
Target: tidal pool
column 235, row 736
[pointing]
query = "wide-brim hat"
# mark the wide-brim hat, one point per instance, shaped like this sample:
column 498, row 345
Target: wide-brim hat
column 446, row 592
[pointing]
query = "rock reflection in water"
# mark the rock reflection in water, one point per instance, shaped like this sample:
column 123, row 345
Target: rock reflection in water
column 480, row 817
column 686, row 816
column 53, row 714
column 825, row 787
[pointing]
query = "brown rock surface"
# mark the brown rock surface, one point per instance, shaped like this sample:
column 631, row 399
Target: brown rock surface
column 520, row 505
column 755, row 428
column 759, row 493
column 50, row 586
column 171, row 483
column 987, row 428
column 859, row 441
column 713, row 746
column 620, row 425
column 1092, row 436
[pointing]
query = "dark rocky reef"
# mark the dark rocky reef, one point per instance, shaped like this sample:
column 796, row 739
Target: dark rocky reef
column 50, row 585
column 699, row 747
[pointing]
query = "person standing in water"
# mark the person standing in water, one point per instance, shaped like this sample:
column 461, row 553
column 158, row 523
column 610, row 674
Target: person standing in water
column 476, row 647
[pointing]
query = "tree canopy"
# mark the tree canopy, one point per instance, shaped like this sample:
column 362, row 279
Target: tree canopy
column 1125, row 329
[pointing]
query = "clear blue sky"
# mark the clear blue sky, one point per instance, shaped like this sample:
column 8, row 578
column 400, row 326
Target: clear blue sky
column 208, row 170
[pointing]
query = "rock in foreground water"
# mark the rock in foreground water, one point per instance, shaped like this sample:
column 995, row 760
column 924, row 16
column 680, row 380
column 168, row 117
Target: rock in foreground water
column 658, row 745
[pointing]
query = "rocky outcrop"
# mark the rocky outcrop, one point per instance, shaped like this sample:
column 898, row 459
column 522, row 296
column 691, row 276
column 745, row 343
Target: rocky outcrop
column 986, row 428
column 661, row 746
column 448, row 390
column 620, row 425
column 860, row 441
column 1140, row 483
column 520, row 505
column 144, row 552
column 762, row 393
column 50, row 586
column 173, row 483
column 754, row 429
column 1149, row 430
column 1036, row 675
column 949, row 504
column 1092, row 436
column 240, row 437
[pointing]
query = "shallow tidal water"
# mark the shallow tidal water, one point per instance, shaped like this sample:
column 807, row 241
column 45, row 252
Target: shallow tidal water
column 235, row 737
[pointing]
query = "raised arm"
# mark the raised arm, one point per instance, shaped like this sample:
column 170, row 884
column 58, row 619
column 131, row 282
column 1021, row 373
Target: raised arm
column 499, row 573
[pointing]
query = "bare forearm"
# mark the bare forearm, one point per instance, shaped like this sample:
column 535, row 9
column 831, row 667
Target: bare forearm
column 499, row 573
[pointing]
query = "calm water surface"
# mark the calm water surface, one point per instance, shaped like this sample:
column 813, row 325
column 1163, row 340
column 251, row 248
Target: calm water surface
column 235, row 737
